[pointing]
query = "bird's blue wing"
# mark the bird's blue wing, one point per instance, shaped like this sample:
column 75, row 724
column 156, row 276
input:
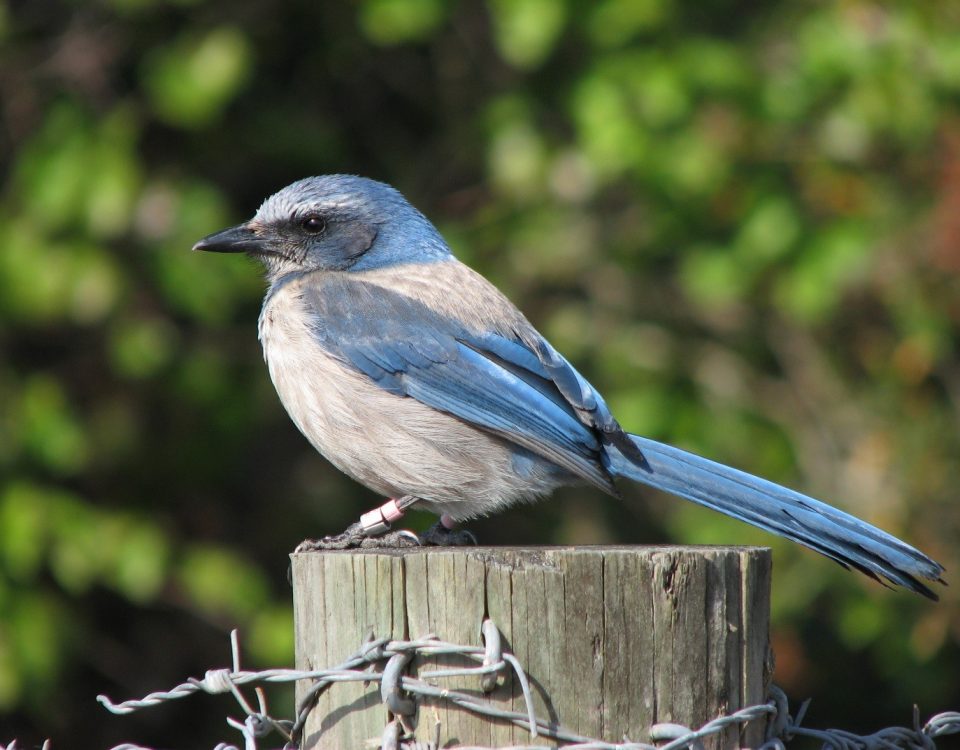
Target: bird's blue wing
column 491, row 380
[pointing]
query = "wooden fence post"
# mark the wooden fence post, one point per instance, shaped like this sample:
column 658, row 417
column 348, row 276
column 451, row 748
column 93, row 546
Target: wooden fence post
column 613, row 639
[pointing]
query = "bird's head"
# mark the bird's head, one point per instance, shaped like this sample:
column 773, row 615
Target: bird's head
column 332, row 223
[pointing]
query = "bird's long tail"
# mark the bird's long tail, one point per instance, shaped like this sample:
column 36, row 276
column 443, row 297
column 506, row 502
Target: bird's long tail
column 831, row 532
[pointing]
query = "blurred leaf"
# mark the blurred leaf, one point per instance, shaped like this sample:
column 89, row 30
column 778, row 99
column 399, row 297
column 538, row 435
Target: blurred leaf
column 115, row 180
column 712, row 276
column 140, row 348
column 50, row 430
column 78, row 280
column 95, row 283
column 716, row 66
column 396, row 21
column 53, row 168
column 661, row 91
column 142, row 561
column 220, row 582
column 824, row 271
column 861, row 621
column 35, row 626
column 271, row 638
column 23, row 531
column 614, row 22
column 517, row 159
column 689, row 165
column 83, row 542
column 645, row 412
column 191, row 81
column 768, row 232
column 526, row 31
column 606, row 131
column 11, row 673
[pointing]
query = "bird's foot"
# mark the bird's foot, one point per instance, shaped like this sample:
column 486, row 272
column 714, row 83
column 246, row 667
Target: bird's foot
column 445, row 534
column 370, row 532
column 356, row 538
column 373, row 532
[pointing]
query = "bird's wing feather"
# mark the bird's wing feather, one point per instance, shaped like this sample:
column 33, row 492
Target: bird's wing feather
column 489, row 379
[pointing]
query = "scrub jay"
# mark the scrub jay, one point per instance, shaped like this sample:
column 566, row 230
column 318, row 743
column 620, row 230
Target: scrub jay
column 414, row 375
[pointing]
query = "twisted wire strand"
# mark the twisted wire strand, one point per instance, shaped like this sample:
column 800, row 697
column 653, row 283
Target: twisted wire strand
column 398, row 691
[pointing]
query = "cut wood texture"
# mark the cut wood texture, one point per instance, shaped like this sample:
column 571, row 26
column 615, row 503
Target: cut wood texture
column 613, row 639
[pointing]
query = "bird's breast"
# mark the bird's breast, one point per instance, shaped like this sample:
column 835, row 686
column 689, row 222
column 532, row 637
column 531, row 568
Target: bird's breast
column 317, row 390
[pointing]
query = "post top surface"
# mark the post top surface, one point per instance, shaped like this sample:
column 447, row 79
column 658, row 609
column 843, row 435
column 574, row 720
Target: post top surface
column 489, row 551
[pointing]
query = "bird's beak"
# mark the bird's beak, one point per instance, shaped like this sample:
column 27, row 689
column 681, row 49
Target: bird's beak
column 238, row 239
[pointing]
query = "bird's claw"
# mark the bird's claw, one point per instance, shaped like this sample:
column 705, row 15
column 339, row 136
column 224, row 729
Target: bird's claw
column 399, row 538
column 355, row 538
column 349, row 539
column 369, row 533
column 440, row 535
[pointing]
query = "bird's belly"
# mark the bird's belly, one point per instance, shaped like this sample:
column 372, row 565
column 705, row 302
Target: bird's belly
column 393, row 444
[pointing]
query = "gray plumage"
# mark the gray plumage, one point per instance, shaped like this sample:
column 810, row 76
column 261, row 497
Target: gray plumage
column 415, row 376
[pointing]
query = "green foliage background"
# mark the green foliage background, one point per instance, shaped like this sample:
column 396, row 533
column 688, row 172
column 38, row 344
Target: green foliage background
column 740, row 220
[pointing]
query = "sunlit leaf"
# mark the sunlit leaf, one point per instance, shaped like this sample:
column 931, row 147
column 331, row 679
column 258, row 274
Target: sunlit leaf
column 190, row 82
column 527, row 30
column 396, row 21
column 220, row 581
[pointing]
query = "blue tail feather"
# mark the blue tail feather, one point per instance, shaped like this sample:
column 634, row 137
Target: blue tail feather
column 838, row 535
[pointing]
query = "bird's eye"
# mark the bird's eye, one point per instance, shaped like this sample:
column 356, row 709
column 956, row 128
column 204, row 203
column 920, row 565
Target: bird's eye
column 313, row 224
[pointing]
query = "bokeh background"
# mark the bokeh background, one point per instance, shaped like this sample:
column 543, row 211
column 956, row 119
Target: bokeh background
column 740, row 220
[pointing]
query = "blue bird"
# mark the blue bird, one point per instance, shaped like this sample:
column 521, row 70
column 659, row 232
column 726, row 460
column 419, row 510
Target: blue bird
column 414, row 375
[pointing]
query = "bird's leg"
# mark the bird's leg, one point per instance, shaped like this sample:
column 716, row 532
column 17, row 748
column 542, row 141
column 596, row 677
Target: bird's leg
column 370, row 532
column 444, row 533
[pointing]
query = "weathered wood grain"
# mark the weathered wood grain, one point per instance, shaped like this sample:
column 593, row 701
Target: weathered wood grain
column 613, row 639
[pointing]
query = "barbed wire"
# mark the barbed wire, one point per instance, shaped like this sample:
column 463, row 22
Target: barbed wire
column 396, row 690
column 399, row 691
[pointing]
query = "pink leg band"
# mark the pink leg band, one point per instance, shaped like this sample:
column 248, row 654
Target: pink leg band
column 390, row 510
column 378, row 521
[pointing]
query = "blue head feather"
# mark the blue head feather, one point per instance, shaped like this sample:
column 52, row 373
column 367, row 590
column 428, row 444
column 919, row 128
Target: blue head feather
column 342, row 223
